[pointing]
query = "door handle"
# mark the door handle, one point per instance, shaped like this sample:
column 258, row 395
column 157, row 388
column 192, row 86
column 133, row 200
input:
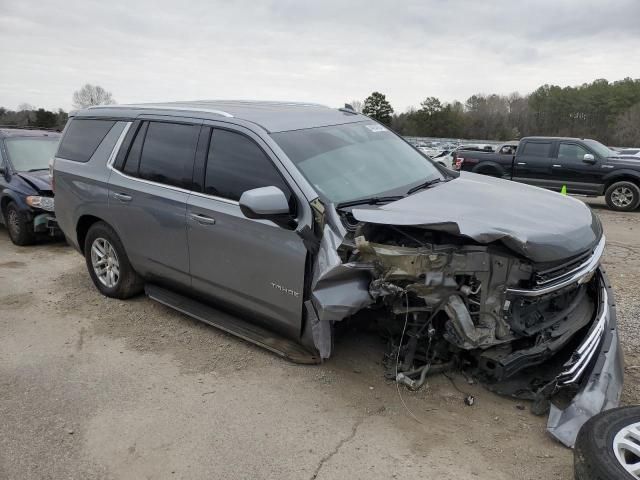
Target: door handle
column 123, row 197
column 203, row 219
column 556, row 166
column 522, row 163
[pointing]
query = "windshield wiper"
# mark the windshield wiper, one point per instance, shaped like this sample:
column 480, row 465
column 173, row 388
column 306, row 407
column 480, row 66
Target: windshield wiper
column 424, row 185
column 369, row 201
column 37, row 169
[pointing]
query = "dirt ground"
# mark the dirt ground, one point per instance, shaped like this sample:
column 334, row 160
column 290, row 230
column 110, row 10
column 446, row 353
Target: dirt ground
column 93, row 388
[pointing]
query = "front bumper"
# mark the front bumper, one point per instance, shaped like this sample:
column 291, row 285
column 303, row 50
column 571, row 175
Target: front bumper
column 46, row 223
column 595, row 369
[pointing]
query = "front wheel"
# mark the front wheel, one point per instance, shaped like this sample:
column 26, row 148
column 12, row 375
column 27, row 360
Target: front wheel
column 108, row 263
column 20, row 228
column 623, row 196
column 608, row 446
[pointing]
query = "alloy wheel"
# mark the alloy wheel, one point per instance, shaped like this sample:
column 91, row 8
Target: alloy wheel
column 626, row 446
column 14, row 222
column 622, row 197
column 105, row 262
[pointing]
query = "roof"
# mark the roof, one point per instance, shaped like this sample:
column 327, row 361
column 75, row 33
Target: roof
column 554, row 138
column 26, row 132
column 271, row 116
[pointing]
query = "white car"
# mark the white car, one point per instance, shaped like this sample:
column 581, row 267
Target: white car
column 630, row 152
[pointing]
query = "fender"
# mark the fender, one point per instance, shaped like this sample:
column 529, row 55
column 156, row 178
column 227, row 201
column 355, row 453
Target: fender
column 622, row 173
column 8, row 195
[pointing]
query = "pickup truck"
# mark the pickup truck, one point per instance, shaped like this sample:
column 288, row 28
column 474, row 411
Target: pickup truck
column 583, row 166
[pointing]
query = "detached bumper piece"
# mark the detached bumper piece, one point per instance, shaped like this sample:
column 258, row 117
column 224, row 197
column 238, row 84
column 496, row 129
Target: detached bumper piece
column 46, row 223
column 595, row 370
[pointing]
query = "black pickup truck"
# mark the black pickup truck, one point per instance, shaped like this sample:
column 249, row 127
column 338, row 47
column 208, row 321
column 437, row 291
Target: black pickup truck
column 584, row 166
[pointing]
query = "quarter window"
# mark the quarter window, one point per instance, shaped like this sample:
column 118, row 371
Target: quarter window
column 236, row 164
column 82, row 137
column 168, row 153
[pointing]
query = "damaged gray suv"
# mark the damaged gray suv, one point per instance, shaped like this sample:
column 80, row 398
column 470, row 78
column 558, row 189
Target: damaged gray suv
column 278, row 222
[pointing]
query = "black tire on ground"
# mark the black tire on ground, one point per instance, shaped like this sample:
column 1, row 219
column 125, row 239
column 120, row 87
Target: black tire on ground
column 19, row 226
column 593, row 456
column 128, row 283
column 617, row 191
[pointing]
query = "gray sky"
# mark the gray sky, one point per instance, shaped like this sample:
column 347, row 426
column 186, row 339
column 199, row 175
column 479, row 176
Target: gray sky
column 323, row 51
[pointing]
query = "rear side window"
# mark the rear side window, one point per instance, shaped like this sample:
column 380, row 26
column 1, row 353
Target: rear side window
column 537, row 149
column 82, row 138
column 168, row 153
column 236, row 164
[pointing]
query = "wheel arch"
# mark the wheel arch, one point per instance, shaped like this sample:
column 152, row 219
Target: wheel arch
column 489, row 168
column 82, row 228
column 621, row 176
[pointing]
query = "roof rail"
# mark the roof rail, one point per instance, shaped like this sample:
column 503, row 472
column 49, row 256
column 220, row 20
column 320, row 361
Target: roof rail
column 162, row 107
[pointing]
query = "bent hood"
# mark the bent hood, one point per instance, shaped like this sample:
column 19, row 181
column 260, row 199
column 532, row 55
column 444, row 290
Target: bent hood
column 541, row 225
column 40, row 180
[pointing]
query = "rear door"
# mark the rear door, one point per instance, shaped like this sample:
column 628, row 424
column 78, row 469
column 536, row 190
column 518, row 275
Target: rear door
column 148, row 198
column 254, row 266
column 570, row 169
column 533, row 163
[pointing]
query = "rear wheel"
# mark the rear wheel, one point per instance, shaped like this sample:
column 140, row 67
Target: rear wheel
column 19, row 227
column 608, row 446
column 623, row 196
column 108, row 263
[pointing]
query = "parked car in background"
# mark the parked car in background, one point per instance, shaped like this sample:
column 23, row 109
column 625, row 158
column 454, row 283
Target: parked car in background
column 297, row 217
column 584, row 166
column 26, row 194
column 631, row 152
column 486, row 159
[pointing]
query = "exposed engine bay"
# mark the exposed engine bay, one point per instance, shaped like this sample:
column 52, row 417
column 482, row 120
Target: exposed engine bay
column 446, row 302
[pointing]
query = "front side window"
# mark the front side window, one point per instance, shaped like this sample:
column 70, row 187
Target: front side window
column 236, row 164
column 168, row 153
column 571, row 152
column 356, row 160
column 28, row 154
column 82, row 137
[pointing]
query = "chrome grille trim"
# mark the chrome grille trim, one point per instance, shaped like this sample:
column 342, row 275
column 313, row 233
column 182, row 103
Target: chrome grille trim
column 579, row 361
column 582, row 274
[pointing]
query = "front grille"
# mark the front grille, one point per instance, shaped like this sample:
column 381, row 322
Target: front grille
column 557, row 272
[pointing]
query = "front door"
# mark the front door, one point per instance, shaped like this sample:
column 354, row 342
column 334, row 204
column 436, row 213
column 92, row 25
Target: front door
column 255, row 266
column 148, row 200
column 570, row 169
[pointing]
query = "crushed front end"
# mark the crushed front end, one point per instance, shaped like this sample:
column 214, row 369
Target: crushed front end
column 541, row 331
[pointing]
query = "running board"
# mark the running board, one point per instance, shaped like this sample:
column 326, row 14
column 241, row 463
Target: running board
column 234, row 325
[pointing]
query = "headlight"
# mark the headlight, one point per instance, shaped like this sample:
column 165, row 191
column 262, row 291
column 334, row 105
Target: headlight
column 44, row 203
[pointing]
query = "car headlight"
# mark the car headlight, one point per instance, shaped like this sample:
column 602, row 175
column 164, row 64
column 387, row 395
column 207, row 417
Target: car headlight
column 43, row 203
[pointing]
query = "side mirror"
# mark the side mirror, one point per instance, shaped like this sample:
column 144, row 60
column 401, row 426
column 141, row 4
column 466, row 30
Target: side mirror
column 268, row 203
column 589, row 158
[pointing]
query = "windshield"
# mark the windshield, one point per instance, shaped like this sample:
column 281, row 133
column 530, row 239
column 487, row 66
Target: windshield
column 357, row 160
column 600, row 149
column 31, row 153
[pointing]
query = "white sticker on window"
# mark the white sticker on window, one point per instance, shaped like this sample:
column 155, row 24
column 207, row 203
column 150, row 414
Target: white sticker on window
column 375, row 128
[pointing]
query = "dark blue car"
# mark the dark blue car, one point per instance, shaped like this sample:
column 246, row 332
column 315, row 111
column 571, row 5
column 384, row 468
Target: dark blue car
column 26, row 194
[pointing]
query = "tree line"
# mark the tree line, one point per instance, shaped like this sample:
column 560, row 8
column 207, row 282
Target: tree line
column 606, row 111
column 27, row 115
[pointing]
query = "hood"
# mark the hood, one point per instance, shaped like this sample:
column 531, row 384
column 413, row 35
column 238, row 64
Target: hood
column 541, row 225
column 629, row 160
column 40, row 180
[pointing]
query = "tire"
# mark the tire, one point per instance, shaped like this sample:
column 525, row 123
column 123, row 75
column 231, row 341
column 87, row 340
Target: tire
column 594, row 457
column 623, row 196
column 19, row 226
column 118, row 278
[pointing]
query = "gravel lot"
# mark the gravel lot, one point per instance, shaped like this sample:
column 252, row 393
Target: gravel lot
column 99, row 388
